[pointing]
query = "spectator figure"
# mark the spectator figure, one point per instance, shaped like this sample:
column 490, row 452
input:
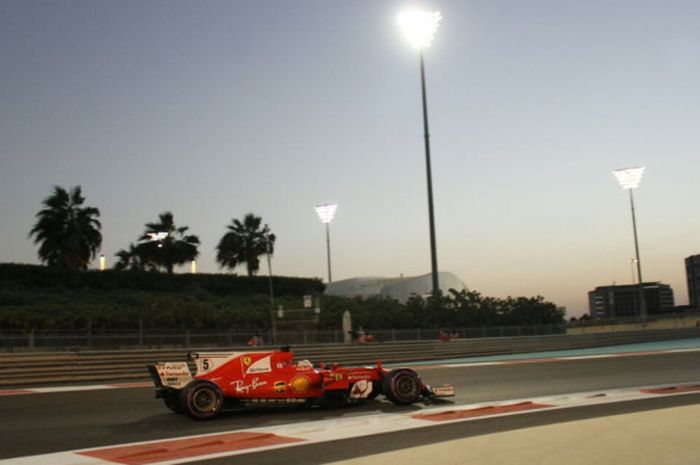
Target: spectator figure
column 443, row 336
column 360, row 336
column 454, row 334
column 255, row 341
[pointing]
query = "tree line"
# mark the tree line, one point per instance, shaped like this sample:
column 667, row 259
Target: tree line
column 69, row 235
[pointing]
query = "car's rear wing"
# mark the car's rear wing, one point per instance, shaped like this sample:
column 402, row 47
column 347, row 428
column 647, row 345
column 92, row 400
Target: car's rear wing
column 172, row 375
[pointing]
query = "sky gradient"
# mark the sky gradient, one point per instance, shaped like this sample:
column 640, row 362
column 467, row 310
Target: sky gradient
column 213, row 109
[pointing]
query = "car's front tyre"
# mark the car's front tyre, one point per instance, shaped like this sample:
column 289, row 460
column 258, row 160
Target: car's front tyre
column 402, row 386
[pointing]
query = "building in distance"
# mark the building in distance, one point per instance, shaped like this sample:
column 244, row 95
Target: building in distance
column 400, row 289
column 623, row 301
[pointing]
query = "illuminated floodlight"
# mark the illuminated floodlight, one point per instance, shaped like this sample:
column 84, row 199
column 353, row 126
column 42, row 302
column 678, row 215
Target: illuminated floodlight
column 419, row 27
column 326, row 212
column 159, row 236
column 629, row 178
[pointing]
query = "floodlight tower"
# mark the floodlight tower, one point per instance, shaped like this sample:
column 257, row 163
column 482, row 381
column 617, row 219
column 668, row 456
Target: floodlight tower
column 419, row 28
column 629, row 179
column 326, row 212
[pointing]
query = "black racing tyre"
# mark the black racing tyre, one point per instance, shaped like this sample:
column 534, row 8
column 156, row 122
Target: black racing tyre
column 202, row 400
column 376, row 390
column 402, row 386
column 173, row 403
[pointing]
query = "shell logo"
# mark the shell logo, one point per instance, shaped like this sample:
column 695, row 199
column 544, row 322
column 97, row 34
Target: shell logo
column 280, row 386
column 300, row 384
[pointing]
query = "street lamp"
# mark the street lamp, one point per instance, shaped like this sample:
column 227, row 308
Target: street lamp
column 419, row 28
column 629, row 179
column 326, row 212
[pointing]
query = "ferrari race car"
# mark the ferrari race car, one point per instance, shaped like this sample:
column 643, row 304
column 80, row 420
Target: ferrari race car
column 210, row 382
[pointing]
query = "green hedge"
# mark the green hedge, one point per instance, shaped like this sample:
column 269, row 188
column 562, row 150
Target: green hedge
column 16, row 276
column 37, row 297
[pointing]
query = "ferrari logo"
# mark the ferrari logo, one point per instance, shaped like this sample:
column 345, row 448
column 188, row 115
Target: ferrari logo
column 247, row 360
column 338, row 376
column 280, row 386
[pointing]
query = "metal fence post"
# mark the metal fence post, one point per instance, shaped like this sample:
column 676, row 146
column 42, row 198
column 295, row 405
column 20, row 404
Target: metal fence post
column 89, row 332
column 140, row 331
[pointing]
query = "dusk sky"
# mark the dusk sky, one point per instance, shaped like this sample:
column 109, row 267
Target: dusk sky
column 213, row 109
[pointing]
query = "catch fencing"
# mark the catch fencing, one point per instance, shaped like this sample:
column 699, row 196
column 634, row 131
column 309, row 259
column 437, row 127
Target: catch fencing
column 89, row 339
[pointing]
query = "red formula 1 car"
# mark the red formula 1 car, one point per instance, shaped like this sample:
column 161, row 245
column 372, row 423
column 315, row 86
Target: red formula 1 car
column 211, row 382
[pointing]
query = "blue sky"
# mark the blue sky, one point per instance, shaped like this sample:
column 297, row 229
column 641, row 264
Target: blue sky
column 212, row 109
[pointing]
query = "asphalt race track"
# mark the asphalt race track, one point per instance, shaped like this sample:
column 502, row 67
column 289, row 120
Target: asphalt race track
column 52, row 422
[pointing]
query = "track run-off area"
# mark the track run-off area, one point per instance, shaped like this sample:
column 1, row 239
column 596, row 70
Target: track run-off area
column 495, row 396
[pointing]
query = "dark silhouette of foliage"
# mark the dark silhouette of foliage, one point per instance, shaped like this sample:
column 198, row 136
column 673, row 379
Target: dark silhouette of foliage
column 164, row 245
column 68, row 234
column 244, row 243
column 129, row 259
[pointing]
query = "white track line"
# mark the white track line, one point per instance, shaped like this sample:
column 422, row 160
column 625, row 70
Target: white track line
column 347, row 427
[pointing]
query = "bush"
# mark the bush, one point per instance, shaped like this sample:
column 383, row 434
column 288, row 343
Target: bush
column 15, row 276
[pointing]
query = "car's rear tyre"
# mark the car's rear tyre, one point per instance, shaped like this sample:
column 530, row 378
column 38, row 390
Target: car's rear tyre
column 173, row 403
column 202, row 400
column 402, row 386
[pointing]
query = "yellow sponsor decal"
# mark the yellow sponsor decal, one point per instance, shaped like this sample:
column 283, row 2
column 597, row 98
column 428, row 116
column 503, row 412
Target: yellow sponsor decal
column 280, row 386
column 338, row 376
column 300, row 384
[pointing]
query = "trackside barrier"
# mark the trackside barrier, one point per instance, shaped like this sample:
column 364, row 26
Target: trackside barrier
column 93, row 339
column 26, row 369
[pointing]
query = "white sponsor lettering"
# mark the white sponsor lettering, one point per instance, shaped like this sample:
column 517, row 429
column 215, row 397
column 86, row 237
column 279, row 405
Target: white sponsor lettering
column 242, row 388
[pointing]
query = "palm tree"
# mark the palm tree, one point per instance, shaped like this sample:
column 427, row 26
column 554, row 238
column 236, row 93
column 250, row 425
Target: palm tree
column 165, row 245
column 244, row 243
column 129, row 259
column 68, row 234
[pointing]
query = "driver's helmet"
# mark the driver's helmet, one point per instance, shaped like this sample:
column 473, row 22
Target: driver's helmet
column 304, row 364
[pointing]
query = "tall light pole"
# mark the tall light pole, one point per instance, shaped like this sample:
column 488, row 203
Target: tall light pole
column 326, row 212
column 269, row 240
column 629, row 179
column 419, row 28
